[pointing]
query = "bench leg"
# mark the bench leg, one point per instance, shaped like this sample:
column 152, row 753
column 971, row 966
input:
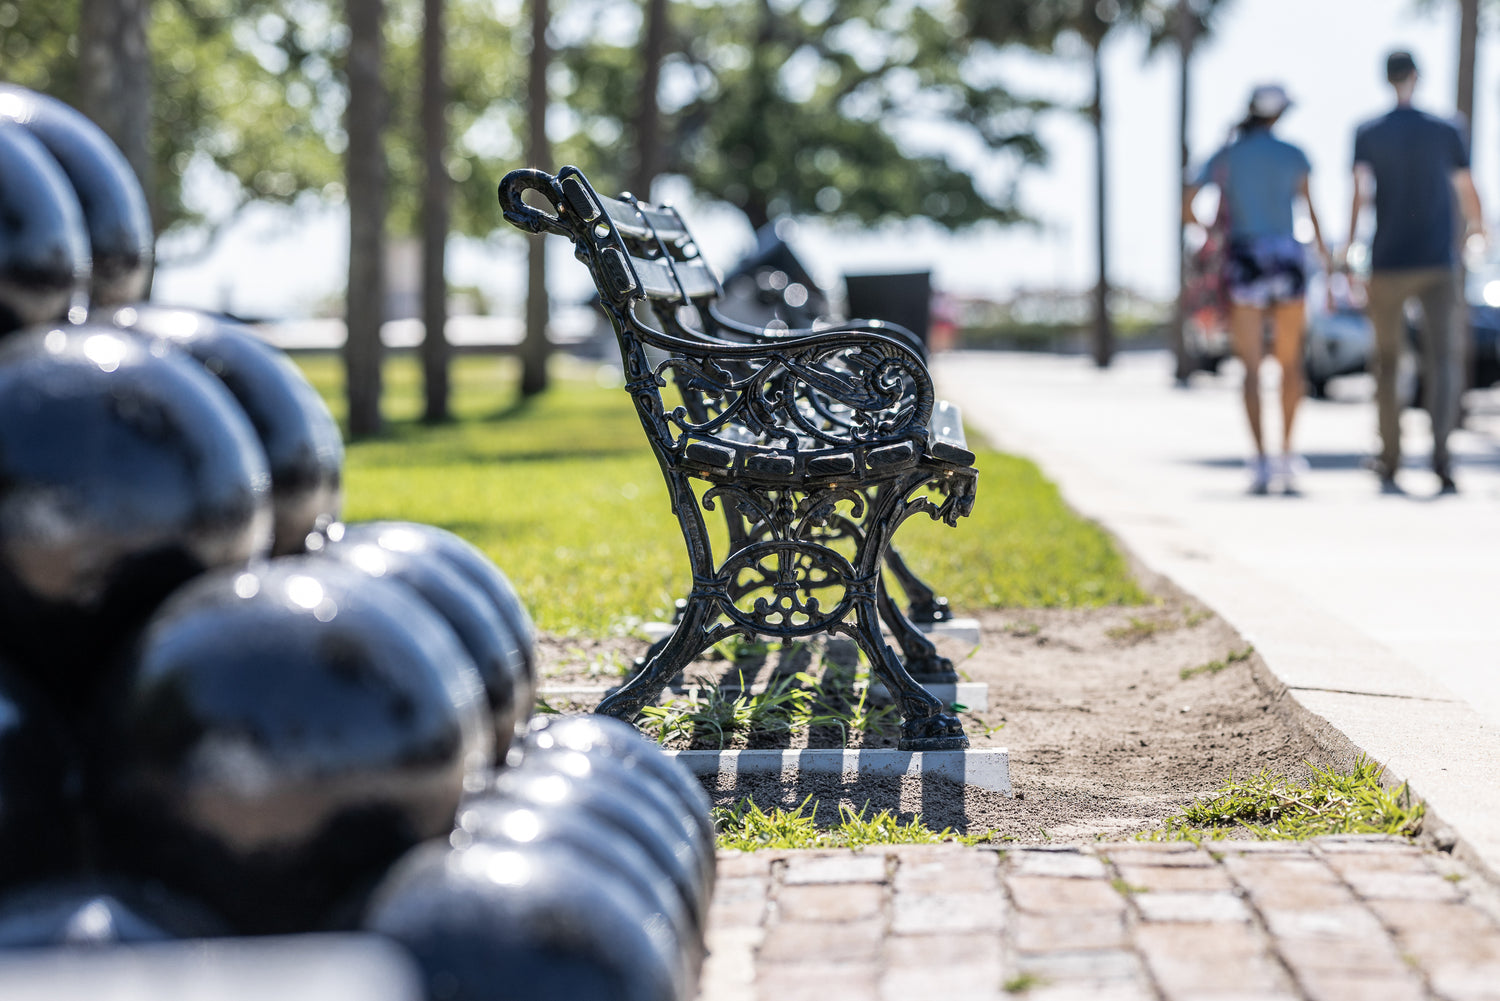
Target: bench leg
column 663, row 661
column 925, row 723
column 923, row 604
column 921, row 657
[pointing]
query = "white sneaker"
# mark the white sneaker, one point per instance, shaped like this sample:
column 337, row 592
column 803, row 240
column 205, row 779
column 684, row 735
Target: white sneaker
column 1260, row 473
column 1289, row 471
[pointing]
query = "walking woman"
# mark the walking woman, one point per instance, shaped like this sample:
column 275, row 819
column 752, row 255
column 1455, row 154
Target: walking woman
column 1260, row 178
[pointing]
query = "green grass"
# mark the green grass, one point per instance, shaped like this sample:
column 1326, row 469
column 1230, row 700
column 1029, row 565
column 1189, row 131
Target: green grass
column 1271, row 808
column 562, row 491
column 746, row 827
column 1215, row 666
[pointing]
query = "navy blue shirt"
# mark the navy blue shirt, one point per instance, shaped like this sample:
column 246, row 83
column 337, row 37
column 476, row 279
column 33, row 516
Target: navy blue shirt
column 1413, row 156
column 1260, row 176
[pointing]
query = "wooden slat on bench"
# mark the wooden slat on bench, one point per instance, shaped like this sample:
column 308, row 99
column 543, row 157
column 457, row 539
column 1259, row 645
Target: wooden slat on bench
column 657, row 283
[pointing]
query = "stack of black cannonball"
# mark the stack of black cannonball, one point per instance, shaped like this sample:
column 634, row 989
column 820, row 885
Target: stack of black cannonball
column 224, row 712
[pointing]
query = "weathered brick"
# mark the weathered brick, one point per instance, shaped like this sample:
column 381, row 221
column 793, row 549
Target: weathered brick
column 1375, row 954
column 1464, row 982
column 951, row 983
column 800, row 942
column 1054, row 894
column 951, row 874
column 1348, row 986
column 815, row 982
column 1291, row 894
column 1385, row 860
column 1348, row 922
column 919, row 913
column 729, row 969
column 1168, row 878
column 1112, row 991
column 1069, row 932
column 736, row 865
column 1192, row 907
column 739, row 903
column 1301, row 868
column 844, row 867
column 1101, row 967
column 831, row 902
column 1434, row 918
column 1187, row 958
column 1404, row 886
column 947, row 949
column 1145, row 853
column 1067, row 864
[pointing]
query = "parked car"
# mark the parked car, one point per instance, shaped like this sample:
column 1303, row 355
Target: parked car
column 1339, row 339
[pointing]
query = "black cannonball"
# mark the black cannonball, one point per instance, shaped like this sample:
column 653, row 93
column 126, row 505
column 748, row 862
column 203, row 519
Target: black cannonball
column 282, row 734
column 640, row 786
column 616, row 813
column 497, row 820
column 413, row 537
column 466, row 609
column 523, row 923
column 38, row 783
column 606, row 736
column 302, row 442
column 114, row 206
column 44, row 249
column 91, row 912
column 124, row 471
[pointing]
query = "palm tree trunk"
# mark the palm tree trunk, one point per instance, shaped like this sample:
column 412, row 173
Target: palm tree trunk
column 1468, row 38
column 366, row 174
column 648, row 113
column 1104, row 332
column 534, row 348
column 1186, row 35
column 435, row 350
column 115, row 78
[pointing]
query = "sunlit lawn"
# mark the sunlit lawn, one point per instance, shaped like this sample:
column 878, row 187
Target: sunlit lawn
column 564, row 494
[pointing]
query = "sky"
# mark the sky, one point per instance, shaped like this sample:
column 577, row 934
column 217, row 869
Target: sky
column 1329, row 54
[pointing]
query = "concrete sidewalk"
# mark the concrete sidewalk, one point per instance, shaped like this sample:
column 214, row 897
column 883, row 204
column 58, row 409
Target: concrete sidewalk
column 1379, row 614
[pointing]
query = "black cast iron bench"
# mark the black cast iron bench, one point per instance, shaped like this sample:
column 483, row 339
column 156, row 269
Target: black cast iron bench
column 817, row 445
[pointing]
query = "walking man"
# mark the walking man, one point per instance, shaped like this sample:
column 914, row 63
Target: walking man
column 1416, row 164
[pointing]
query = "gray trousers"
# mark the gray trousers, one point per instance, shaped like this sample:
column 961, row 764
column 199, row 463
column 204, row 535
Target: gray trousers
column 1442, row 354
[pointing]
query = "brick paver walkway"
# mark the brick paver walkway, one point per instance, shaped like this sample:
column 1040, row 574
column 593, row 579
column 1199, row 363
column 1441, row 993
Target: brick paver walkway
column 1363, row 919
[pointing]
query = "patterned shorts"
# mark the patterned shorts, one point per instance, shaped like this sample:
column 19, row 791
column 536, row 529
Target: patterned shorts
column 1264, row 270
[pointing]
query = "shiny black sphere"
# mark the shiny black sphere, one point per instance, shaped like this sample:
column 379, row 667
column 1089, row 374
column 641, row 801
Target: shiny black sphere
column 500, row 821
column 640, row 787
column 302, row 442
column 99, row 913
column 523, row 923
column 616, row 813
column 44, row 249
column 608, row 737
column 466, row 609
column 124, row 471
column 283, row 734
column 38, row 778
column 121, row 240
column 415, row 538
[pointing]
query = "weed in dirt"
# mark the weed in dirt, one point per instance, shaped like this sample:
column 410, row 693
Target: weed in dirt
column 1022, row 630
column 1022, row 982
column 746, row 827
column 1268, row 807
column 1138, row 629
column 1196, row 616
column 719, row 714
column 1125, row 889
column 1215, row 666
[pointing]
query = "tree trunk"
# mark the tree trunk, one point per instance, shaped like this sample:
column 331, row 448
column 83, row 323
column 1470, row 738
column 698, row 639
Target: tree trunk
column 1468, row 38
column 366, row 174
column 534, row 348
column 1186, row 36
column 115, row 78
column 435, row 191
column 1104, row 331
column 648, row 153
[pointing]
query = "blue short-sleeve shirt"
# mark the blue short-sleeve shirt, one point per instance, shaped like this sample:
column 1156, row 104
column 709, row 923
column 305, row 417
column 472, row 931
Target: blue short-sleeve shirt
column 1260, row 176
column 1413, row 156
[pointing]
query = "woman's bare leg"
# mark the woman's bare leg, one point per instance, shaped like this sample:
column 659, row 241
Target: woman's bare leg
column 1287, row 322
column 1246, row 332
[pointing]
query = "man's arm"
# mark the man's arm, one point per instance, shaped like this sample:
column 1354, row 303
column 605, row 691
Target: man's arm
column 1190, row 192
column 1468, row 201
column 1363, row 182
column 1306, row 193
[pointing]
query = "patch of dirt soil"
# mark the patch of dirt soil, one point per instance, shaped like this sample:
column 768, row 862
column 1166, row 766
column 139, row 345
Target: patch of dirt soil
column 1114, row 718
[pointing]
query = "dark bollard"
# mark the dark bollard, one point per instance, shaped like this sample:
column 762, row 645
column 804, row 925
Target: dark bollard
column 302, row 442
column 412, row 537
column 44, row 249
column 121, row 240
column 123, row 472
column 523, row 923
column 107, row 912
column 466, row 608
column 283, row 734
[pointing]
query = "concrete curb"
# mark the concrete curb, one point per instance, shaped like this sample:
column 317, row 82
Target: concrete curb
column 985, row 769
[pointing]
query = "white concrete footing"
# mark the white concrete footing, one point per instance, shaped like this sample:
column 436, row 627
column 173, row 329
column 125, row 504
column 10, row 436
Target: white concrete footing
column 984, row 769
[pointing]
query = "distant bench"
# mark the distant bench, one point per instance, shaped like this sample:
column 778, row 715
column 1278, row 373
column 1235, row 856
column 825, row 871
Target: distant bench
column 815, row 445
